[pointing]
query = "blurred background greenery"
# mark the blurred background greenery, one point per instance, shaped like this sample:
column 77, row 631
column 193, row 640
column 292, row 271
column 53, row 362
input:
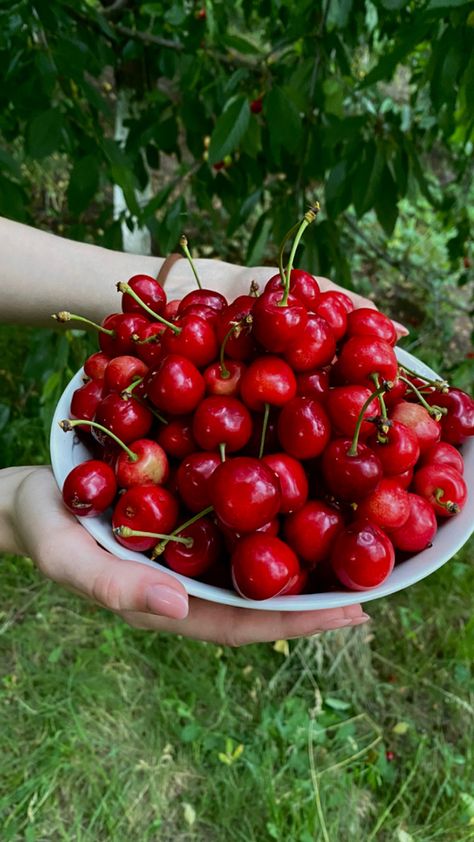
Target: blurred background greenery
column 226, row 120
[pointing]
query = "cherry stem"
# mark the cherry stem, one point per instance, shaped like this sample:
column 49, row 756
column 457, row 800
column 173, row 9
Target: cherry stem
column 222, row 451
column 266, row 415
column 386, row 386
column 383, row 408
column 126, row 393
column 155, row 337
column 126, row 532
column 435, row 411
column 64, row 316
column 449, row 505
column 308, row 218
column 127, row 289
column 161, row 546
column 225, row 373
column 439, row 385
column 68, row 424
column 184, row 245
column 287, row 236
column 254, row 289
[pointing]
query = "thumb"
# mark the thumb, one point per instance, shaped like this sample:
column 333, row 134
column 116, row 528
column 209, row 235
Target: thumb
column 66, row 553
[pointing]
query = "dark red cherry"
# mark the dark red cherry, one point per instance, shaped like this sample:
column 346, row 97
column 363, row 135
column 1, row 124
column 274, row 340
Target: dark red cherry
column 95, row 365
column 222, row 420
column 443, row 453
column 122, row 371
column 240, row 345
column 86, row 399
column 176, row 386
column 313, row 384
column 331, row 308
column 362, row 356
column 302, row 285
column 263, row 567
column 89, row 489
column 126, row 417
column 314, row 346
column 350, row 478
column 277, row 325
column 365, row 321
column 200, row 555
column 303, row 428
column 293, row 481
column 344, row 405
column 458, row 424
column 124, row 327
column 192, row 479
column 150, row 292
column 245, row 493
column 397, row 449
column 443, row 487
column 176, row 437
column 419, row 529
column 196, row 340
column 362, row 556
column 205, row 298
column 148, row 342
column 311, row 531
column 267, row 379
column 147, row 508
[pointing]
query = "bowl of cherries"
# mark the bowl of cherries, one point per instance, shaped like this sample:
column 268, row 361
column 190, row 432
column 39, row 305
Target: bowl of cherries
column 276, row 450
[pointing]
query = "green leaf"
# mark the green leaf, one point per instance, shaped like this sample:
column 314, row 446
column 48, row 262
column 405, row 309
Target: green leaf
column 407, row 40
column 44, row 133
column 336, row 704
column 441, row 5
column 241, row 44
column 367, row 178
column 83, row 184
column 338, row 14
column 393, row 5
column 258, row 240
column 229, row 129
column 338, row 189
column 386, row 202
column 284, row 121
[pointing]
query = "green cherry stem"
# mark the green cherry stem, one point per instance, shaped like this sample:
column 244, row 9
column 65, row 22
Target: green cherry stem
column 435, row 411
column 355, row 441
column 222, row 451
column 450, row 507
column 68, row 424
column 184, row 245
column 308, row 218
column 287, row 236
column 127, row 392
column 126, row 532
column 383, row 408
column 126, row 288
column 439, row 385
column 264, row 430
column 161, row 546
column 225, row 373
column 64, row 316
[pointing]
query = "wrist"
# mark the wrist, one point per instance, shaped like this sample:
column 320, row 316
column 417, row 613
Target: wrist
column 10, row 482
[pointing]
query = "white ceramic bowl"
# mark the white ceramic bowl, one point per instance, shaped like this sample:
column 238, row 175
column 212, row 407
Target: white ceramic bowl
column 67, row 452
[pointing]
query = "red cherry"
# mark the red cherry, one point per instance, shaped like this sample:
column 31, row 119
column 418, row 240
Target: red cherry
column 303, row 428
column 366, row 321
column 256, row 105
column 312, row 530
column 314, row 347
column 147, row 508
column 122, row 371
column 148, row 342
column 95, row 365
column 240, row 345
column 362, row 356
column 387, row 505
column 150, row 292
column 302, row 285
column 443, row 453
column 331, row 308
column 176, row 386
column 203, row 297
column 268, row 379
column 171, row 309
column 222, row 421
column 397, row 449
column 89, row 489
column 224, row 381
column 232, row 538
column 209, row 315
column 176, row 437
column 126, row 417
column 124, row 326
column 86, row 399
column 192, row 479
column 396, row 393
column 418, row 419
column 293, row 481
column 271, row 442
column 419, row 529
column 275, row 325
column 344, row 405
column 443, row 487
column 345, row 300
column 204, row 551
column 196, row 340
column 404, row 479
column 362, row 556
column 458, row 424
column 152, row 465
column 263, row 567
column 245, row 493
column 348, row 477
column 313, row 384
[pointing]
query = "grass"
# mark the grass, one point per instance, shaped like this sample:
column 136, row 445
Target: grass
column 114, row 733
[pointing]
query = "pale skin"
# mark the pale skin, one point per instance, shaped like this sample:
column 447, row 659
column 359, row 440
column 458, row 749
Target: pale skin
column 41, row 274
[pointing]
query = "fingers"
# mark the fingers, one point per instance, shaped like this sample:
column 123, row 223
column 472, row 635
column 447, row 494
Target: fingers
column 240, row 626
column 66, row 553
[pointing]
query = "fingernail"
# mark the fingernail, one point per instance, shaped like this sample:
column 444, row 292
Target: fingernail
column 161, row 599
column 364, row 618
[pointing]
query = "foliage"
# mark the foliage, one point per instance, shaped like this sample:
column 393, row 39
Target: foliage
column 364, row 103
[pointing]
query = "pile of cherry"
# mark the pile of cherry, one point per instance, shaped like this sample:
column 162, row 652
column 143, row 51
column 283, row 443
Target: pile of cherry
column 272, row 442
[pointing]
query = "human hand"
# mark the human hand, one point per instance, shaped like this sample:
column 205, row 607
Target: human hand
column 145, row 598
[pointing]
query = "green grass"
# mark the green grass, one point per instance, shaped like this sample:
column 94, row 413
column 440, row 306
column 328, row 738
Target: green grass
column 115, row 734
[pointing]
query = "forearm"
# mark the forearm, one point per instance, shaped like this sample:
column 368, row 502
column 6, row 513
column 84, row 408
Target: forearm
column 10, row 482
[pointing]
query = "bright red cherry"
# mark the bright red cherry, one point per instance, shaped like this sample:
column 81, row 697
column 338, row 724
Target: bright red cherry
column 232, row 538
column 350, row 478
column 192, row 479
column 443, row 453
column 458, row 424
column 397, row 449
column 240, row 344
column 122, row 371
column 222, row 421
column 362, row 356
column 148, row 508
column 196, row 340
column 245, row 493
column 95, row 365
column 124, row 327
column 86, row 399
column 314, row 346
column 418, row 419
column 304, row 428
column 345, row 300
column 419, row 529
column 171, row 309
column 176, row 386
column 275, row 325
column 302, row 285
column 268, row 379
column 344, row 405
column 203, row 297
column 313, row 384
column 89, row 489
column 365, row 321
column 204, row 549
column 176, row 437
column 443, row 487
column 387, row 505
column 362, row 556
column 209, row 315
column 263, row 567
column 150, row 467
column 404, row 479
column 312, row 530
column 293, row 481
column 224, row 380
column 150, row 292
column 148, row 342
column 331, row 308
column 126, row 417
